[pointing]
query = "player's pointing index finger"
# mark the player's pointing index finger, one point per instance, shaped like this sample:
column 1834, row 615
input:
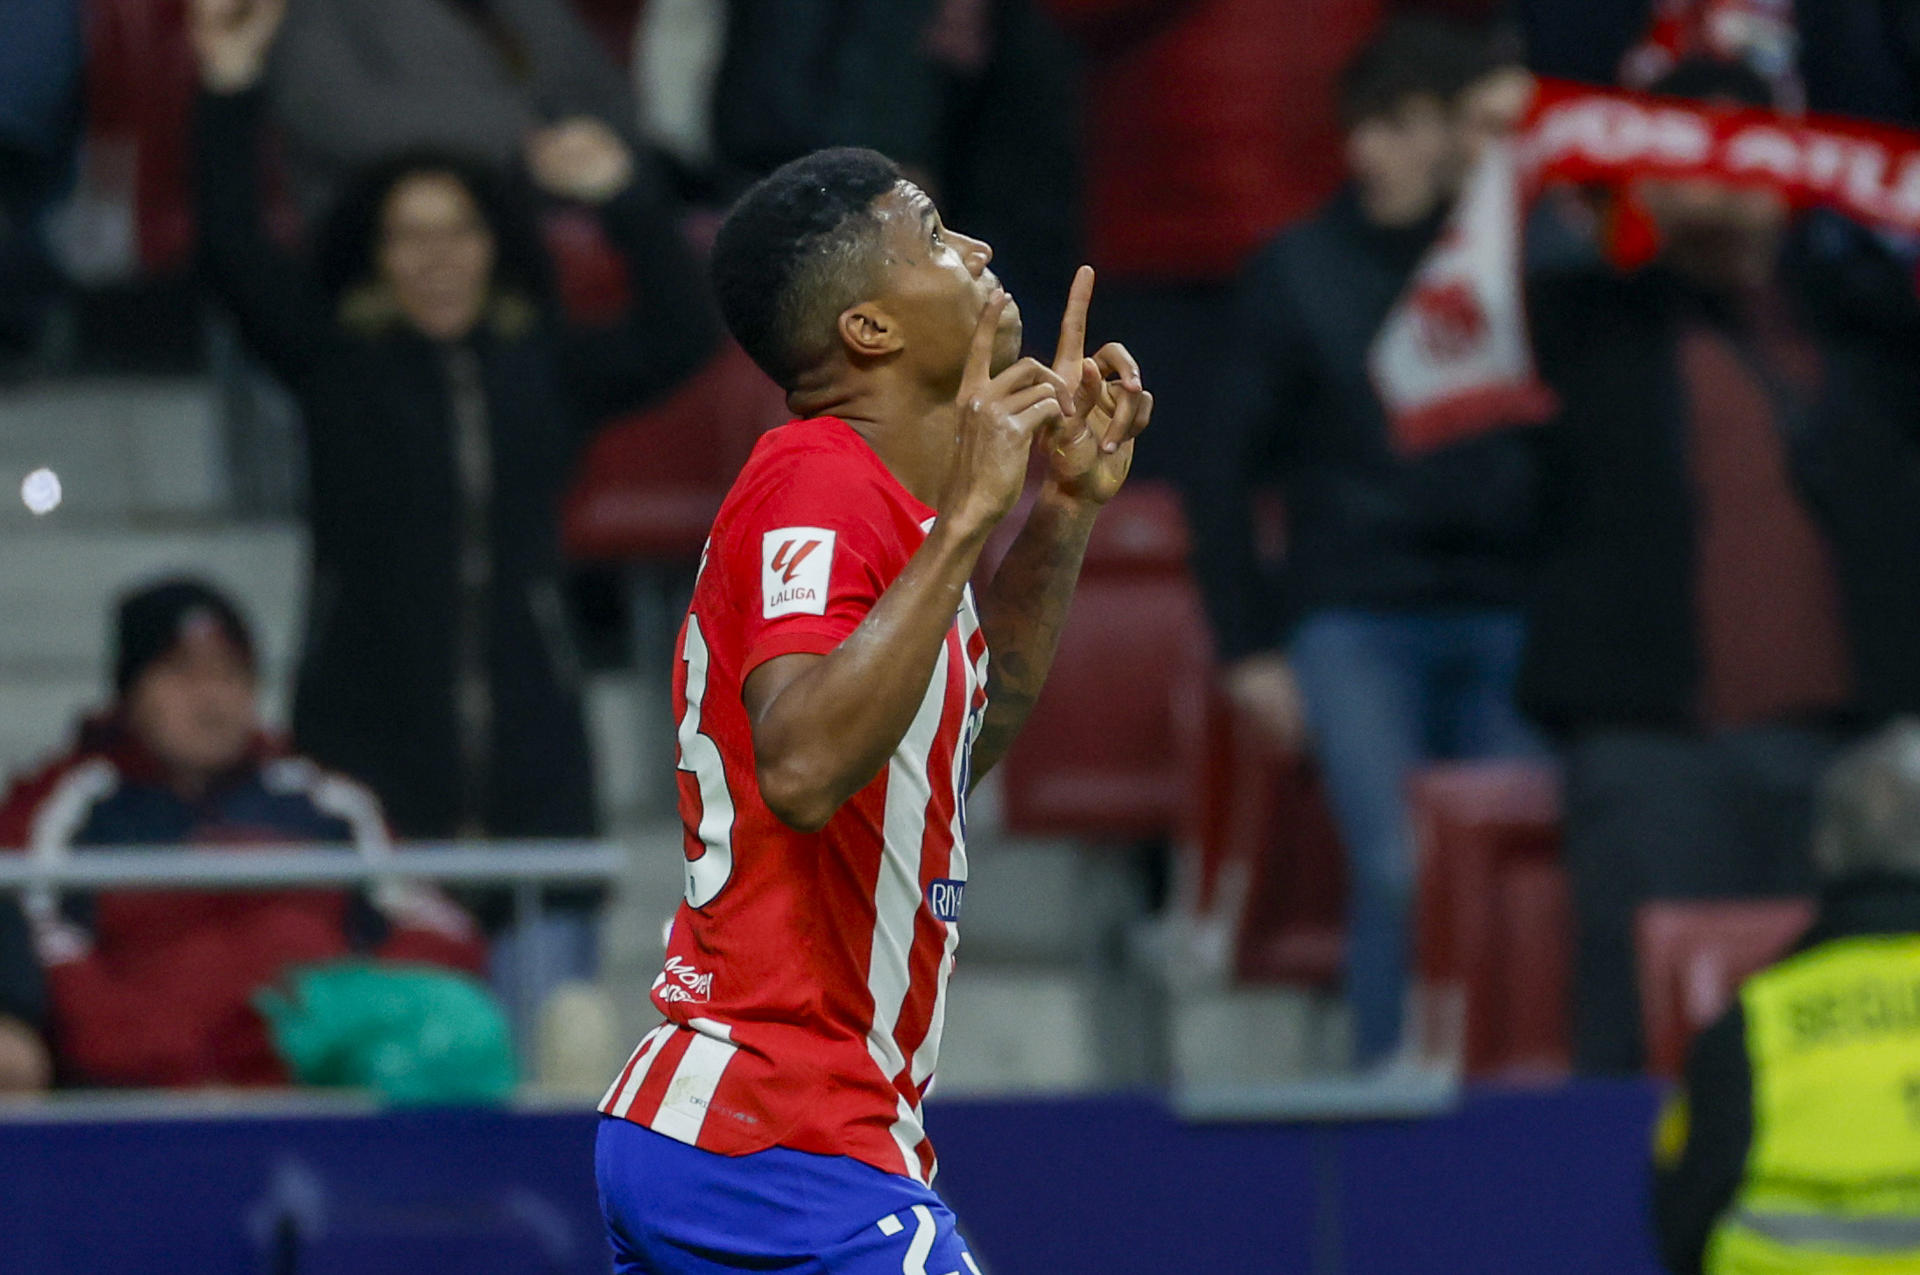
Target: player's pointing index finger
column 979, row 369
column 1073, row 325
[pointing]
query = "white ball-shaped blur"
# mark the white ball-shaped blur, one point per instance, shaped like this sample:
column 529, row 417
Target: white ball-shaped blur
column 40, row 491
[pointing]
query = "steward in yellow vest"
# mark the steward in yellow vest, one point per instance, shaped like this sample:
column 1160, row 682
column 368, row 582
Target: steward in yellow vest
column 1794, row 1148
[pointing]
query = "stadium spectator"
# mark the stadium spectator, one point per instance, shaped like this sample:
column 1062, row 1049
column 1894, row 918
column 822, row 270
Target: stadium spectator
column 39, row 124
column 444, row 398
column 353, row 82
column 156, row 988
column 1796, row 1138
column 25, row 1063
column 1398, row 607
column 1730, row 584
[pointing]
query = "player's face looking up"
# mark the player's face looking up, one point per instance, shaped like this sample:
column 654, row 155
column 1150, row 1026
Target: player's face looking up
column 436, row 254
column 934, row 283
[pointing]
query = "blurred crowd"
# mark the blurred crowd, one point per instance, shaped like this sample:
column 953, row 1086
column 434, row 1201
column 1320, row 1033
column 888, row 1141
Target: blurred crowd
column 1685, row 565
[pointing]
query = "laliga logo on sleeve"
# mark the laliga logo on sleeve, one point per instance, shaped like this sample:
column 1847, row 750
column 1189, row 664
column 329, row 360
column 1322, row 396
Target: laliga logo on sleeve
column 796, row 564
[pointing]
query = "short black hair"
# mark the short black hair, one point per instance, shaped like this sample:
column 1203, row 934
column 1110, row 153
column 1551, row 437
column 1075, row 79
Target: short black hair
column 1716, row 80
column 799, row 248
column 1416, row 55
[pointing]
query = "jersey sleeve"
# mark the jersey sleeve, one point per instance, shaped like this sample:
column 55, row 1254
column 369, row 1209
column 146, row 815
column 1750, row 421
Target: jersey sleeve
column 809, row 558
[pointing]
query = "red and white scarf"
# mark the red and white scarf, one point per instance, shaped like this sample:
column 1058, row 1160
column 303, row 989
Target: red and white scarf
column 1453, row 358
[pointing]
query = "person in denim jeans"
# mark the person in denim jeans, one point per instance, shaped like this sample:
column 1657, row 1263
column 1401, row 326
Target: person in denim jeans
column 1397, row 606
column 1384, row 692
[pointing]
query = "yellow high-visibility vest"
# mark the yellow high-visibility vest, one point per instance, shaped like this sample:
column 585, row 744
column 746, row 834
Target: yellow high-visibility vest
column 1832, row 1185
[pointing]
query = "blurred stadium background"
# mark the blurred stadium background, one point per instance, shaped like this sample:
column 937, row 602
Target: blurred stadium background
column 1145, row 1063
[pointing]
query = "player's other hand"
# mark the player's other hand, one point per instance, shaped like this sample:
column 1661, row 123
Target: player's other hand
column 231, row 39
column 1090, row 450
column 1000, row 417
column 580, row 158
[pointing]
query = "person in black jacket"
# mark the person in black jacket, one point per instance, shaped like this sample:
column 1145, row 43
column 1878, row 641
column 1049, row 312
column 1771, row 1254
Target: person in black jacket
column 1397, row 610
column 445, row 398
column 1731, row 581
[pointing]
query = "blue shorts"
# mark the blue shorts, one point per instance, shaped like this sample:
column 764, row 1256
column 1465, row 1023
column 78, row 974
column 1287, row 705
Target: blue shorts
column 672, row 1209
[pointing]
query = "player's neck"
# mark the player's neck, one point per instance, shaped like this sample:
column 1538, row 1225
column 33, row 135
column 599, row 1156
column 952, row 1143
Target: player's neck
column 911, row 432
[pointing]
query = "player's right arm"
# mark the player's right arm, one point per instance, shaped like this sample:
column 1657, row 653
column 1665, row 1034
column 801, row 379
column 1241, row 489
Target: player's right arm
column 824, row 725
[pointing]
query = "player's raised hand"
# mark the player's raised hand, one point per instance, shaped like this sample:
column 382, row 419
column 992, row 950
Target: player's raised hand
column 1090, row 450
column 1000, row 416
column 231, row 39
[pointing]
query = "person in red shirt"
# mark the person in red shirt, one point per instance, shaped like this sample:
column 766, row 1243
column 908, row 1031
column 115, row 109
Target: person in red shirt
column 156, row 988
column 839, row 692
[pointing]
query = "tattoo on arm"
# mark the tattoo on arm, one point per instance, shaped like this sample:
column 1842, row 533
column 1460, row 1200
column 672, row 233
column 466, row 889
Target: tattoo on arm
column 1025, row 609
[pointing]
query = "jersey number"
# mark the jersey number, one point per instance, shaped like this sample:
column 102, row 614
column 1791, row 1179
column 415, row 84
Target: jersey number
column 700, row 757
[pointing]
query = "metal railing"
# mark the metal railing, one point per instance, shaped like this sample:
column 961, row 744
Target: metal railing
column 526, row 866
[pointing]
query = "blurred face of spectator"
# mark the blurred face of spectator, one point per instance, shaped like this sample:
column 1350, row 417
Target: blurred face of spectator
column 436, row 254
column 1404, row 161
column 1722, row 237
column 936, row 283
column 195, row 707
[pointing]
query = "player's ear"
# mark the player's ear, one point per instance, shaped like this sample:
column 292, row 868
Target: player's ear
column 868, row 331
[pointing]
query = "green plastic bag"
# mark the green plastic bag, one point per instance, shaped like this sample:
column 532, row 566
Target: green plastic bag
column 415, row 1034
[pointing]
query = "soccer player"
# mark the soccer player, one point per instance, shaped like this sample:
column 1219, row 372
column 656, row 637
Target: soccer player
column 838, row 694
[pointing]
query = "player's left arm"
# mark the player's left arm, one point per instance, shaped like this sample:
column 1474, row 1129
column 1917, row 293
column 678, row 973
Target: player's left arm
column 1088, row 458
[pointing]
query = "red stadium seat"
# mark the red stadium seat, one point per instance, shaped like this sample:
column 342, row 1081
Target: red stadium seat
column 651, row 483
column 1693, row 957
column 1263, row 873
column 1102, row 755
column 1494, row 920
column 1142, row 532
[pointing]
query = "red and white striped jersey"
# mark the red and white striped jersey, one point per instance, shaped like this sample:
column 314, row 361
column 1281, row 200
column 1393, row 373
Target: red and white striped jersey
column 806, row 974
